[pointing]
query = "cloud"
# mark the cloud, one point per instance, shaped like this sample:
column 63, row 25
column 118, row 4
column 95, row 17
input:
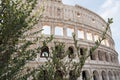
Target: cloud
column 111, row 8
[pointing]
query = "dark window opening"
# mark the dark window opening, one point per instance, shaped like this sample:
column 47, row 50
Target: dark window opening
column 84, row 76
column 71, row 52
column 44, row 51
column 103, row 76
column 95, row 75
column 82, row 51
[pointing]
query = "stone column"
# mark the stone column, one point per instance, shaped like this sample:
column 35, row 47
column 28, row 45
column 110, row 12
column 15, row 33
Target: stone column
column 53, row 29
column 64, row 31
column 76, row 31
column 85, row 34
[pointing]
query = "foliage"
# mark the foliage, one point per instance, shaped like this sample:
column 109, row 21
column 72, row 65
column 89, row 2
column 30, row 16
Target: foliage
column 16, row 17
column 60, row 67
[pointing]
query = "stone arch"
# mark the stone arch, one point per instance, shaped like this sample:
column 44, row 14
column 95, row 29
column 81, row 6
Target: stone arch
column 44, row 51
column 110, row 75
column 58, row 31
column 92, row 55
column 104, row 75
column 71, row 51
column 111, row 58
column 69, row 31
column 99, row 55
column 46, row 29
column 118, row 75
column 115, row 76
column 106, row 57
column 95, row 75
column 85, row 75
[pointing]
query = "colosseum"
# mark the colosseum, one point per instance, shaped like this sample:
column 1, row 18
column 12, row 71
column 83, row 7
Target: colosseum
column 62, row 20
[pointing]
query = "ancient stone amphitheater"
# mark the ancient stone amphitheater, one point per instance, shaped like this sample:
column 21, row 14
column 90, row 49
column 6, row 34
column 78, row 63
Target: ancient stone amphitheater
column 62, row 20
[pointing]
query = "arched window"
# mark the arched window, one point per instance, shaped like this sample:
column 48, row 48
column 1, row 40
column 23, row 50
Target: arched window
column 58, row 31
column 104, row 76
column 58, row 75
column 111, row 58
column 110, row 75
column 44, row 51
column 106, row 57
column 69, row 32
column 72, row 75
column 85, row 75
column 46, row 29
column 80, row 34
column 71, row 52
column 82, row 51
column 89, row 36
column 92, row 55
column 115, row 76
column 95, row 75
column 96, row 37
column 100, row 55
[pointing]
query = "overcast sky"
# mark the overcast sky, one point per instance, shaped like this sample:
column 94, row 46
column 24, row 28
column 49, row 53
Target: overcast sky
column 106, row 9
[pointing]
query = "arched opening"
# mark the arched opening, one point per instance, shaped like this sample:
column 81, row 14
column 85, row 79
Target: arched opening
column 58, row 75
column 59, row 31
column 118, row 75
column 80, row 34
column 110, row 75
column 104, row 76
column 115, row 76
column 71, row 51
column 107, row 57
column 111, row 58
column 72, row 75
column 44, row 51
column 70, row 31
column 85, row 75
column 92, row 55
column 96, row 37
column 89, row 36
column 81, row 51
column 100, row 55
column 46, row 30
column 95, row 75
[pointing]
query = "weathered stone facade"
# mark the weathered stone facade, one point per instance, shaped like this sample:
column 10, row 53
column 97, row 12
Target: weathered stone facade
column 66, row 19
